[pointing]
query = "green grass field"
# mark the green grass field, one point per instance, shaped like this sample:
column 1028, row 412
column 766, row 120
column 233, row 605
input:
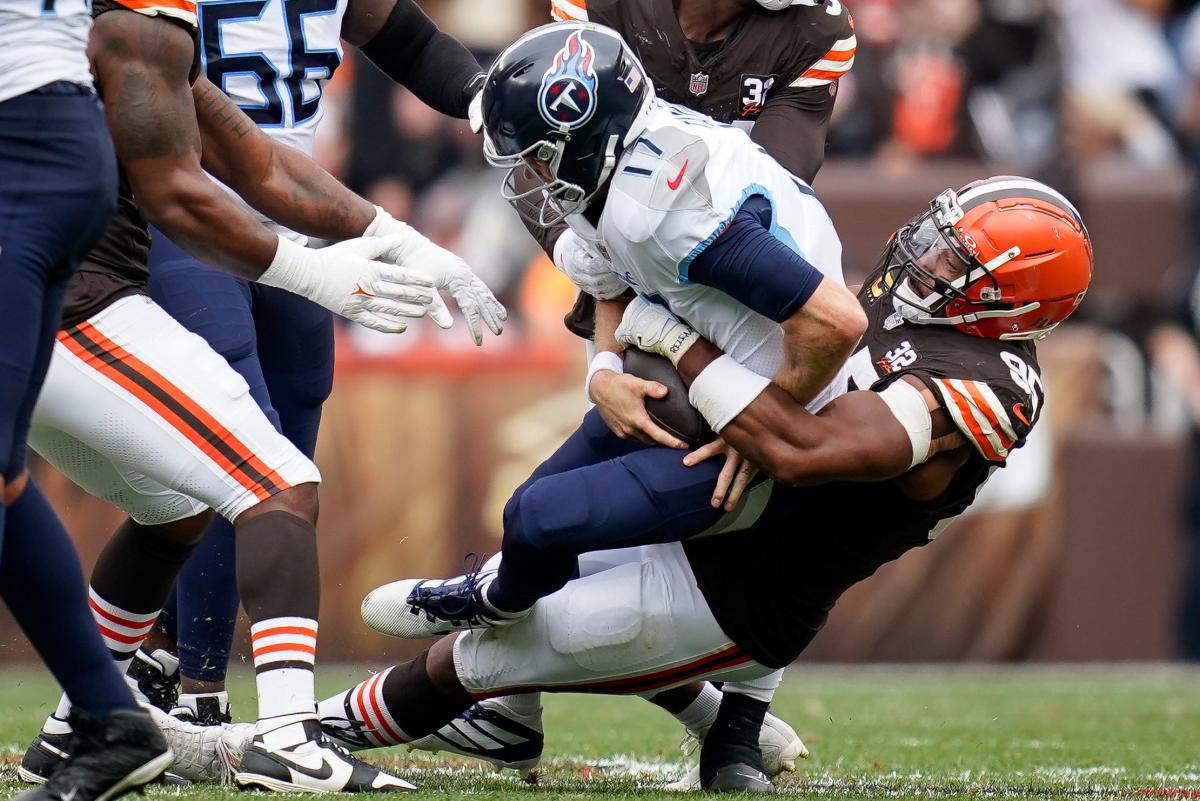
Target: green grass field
column 876, row 732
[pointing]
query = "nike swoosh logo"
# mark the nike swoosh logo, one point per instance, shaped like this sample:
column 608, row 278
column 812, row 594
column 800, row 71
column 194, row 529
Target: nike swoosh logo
column 1017, row 407
column 358, row 290
column 71, row 795
column 325, row 771
column 678, row 178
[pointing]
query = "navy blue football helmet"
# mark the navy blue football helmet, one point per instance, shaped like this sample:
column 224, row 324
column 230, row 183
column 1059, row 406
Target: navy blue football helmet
column 559, row 106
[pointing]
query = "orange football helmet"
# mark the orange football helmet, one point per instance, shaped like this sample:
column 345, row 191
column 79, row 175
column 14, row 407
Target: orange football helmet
column 1002, row 258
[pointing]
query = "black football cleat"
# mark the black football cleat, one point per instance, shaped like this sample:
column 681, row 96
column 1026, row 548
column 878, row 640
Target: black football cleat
column 296, row 757
column 46, row 754
column 156, row 677
column 107, row 759
column 739, row 778
column 204, row 709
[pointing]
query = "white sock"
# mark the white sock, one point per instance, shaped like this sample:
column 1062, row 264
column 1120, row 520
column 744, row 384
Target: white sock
column 123, row 632
column 363, row 703
column 699, row 716
column 284, row 649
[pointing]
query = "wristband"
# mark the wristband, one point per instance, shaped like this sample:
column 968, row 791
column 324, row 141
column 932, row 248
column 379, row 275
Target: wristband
column 724, row 389
column 603, row 360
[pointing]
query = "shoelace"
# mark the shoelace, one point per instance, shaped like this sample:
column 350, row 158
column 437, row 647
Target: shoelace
column 354, row 731
column 467, row 611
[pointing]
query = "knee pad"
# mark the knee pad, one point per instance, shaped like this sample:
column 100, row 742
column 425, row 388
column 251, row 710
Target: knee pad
column 545, row 516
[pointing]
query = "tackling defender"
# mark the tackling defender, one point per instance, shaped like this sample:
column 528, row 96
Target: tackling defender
column 943, row 389
column 169, row 430
column 690, row 212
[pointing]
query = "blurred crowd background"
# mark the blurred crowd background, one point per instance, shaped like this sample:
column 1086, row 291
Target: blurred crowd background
column 1087, row 549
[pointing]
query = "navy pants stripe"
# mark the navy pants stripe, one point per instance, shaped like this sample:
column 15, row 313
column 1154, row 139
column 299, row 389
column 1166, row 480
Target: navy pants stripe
column 597, row 492
column 282, row 344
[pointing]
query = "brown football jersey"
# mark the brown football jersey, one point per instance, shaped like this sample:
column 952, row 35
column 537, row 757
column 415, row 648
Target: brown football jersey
column 793, row 57
column 772, row 586
column 118, row 265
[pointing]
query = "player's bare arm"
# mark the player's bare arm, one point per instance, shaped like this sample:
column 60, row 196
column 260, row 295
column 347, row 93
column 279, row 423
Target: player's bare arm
column 856, row 437
column 142, row 65
column 818, row 338
column 279, row 181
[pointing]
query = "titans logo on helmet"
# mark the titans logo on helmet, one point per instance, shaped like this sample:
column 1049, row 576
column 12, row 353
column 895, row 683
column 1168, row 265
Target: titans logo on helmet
column 568, row 94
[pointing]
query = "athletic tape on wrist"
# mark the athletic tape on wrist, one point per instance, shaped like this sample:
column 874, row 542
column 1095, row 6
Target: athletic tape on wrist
column 909, row 407
column 603, row 360
column 724, row 389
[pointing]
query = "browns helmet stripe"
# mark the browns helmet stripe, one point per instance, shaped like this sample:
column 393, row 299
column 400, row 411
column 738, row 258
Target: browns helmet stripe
column 1004, row 187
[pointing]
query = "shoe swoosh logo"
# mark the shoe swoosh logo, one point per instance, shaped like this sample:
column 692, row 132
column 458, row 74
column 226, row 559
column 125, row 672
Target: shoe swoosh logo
column 71, row 795
column 323, row 770
column 678, row 178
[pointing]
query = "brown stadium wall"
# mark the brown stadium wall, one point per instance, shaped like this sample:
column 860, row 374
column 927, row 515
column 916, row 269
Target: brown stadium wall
column 420, row 451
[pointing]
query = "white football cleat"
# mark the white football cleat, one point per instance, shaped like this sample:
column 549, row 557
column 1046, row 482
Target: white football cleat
column 202, row 753
column 494, row 732
column 780, row 745
column 295, row 757
column 416, row 609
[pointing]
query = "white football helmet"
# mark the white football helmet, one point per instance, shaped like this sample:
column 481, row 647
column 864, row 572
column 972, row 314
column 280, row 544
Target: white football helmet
column 774, row 5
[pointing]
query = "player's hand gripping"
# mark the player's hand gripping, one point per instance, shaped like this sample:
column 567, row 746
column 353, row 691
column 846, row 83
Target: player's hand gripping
column 621, row 400
column 590, row 271
column 348, row 279
column 735, row 476
column 651, row 328
column 476, row 302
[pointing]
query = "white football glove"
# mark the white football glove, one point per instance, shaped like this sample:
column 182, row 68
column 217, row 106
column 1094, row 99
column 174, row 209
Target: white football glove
column 477, row 303
column 590, row 271
column 347, row 279
column 651, row 328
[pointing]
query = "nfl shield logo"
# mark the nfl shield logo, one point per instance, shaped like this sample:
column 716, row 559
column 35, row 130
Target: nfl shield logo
column 698, row 85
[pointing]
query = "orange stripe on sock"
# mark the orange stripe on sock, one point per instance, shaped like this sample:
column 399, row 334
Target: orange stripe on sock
column 370, row 692
column 300, row 630
column 285, row 646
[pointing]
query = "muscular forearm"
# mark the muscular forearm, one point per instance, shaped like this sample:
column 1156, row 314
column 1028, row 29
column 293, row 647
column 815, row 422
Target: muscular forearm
column 818, row 340
column 204, row 220
column 281, row 182
column 797, row 447
column 297, row 193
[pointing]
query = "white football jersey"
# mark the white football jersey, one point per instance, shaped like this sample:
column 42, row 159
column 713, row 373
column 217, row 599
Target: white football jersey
column 43, row 41
column 273, row 58
column 672, row 194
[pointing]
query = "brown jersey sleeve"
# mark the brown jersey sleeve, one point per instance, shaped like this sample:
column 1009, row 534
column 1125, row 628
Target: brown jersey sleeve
column 825, row 44
column 792, row 128
column 566, row 10
column 183, row 11
column 995, row 414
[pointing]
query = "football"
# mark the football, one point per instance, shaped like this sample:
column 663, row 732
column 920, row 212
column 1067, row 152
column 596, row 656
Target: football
column 675, row 412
